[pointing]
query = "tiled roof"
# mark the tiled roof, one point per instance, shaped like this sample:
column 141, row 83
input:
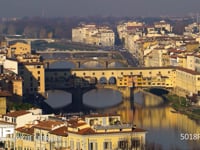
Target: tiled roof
column 27, row 130
column 188, row 71
column 62, row 131
column 4, row 122
column 48, row 124
column 17, row 113
column 75, row 123
column 86, row 131
column 5, row 93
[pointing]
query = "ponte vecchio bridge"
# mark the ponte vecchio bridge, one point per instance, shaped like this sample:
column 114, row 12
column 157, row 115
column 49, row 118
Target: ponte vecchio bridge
column 183, row 80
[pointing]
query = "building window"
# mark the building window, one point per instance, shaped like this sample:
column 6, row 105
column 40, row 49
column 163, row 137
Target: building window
column 93, row 73
column 84, row 73
column 38, row 66
column 122, row 73
column 38, row 72
column 107, row 145
column 78, row 145
column 103, row 73
column 135, row 143
column 123, row 144
column 92, row 146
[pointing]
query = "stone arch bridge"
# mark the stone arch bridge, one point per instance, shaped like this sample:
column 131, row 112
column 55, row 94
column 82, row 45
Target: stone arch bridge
column 104, row 62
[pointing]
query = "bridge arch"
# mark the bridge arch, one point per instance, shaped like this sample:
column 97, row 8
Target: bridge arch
column 103, row 80
column 112, row 80
column 117, row 64
column 91, row 63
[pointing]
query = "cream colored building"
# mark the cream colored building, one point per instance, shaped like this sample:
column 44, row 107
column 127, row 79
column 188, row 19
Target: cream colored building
column 187, row 81
column 95, row 35
column 126, row 28
column 156, row 58
column 162, row 25
column 7, row 134
column 76, row 134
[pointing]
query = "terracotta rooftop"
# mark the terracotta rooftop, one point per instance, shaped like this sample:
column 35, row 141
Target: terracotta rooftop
column 62, row 131
column 4, row 93
column 4, row 122
column 86, row 131
column 17, row 113
column 188, row 71
column 74, row 123
column 48, row 124
column 27, row 130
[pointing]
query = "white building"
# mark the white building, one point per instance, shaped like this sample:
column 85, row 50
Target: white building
column 95, row 35
column 22, row 117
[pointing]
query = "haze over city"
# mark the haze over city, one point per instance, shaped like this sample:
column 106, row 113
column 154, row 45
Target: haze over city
column 62, row 8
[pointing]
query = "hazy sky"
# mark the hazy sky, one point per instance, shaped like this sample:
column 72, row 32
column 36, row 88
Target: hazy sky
column 56, row 8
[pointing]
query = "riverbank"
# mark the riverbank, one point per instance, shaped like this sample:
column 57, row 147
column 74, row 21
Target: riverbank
column 182, row 105
column 178, row 103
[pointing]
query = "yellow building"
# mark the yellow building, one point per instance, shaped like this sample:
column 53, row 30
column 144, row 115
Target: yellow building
column 32, row 71
column 33, row 75
column 182, row 61
column 18, row 48
column 191, row 46
column 24, row 137
column 76, row 134
column 3, row 101
column 103, row 137
column 13, row 84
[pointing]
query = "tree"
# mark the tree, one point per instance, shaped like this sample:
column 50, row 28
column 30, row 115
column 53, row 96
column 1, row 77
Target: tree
column 11, row 29
column 43, row 33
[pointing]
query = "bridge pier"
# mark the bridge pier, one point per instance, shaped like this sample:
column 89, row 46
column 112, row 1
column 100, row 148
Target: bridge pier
column 47, row 65
column 78, row 64
column 106, row 64
column 77, row 99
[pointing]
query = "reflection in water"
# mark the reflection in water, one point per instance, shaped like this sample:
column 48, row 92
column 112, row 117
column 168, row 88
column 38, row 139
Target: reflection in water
column 58, row 99
column 164, row 127
column 150, row 99
column 102, row 98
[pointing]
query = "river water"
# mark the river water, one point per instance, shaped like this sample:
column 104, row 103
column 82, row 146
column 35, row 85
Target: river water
column 164, row 126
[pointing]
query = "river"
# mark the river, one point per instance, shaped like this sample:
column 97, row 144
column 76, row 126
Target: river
column 164, row 126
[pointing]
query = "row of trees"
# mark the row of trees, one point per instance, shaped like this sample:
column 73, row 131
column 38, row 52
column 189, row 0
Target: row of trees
column 38, row 27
